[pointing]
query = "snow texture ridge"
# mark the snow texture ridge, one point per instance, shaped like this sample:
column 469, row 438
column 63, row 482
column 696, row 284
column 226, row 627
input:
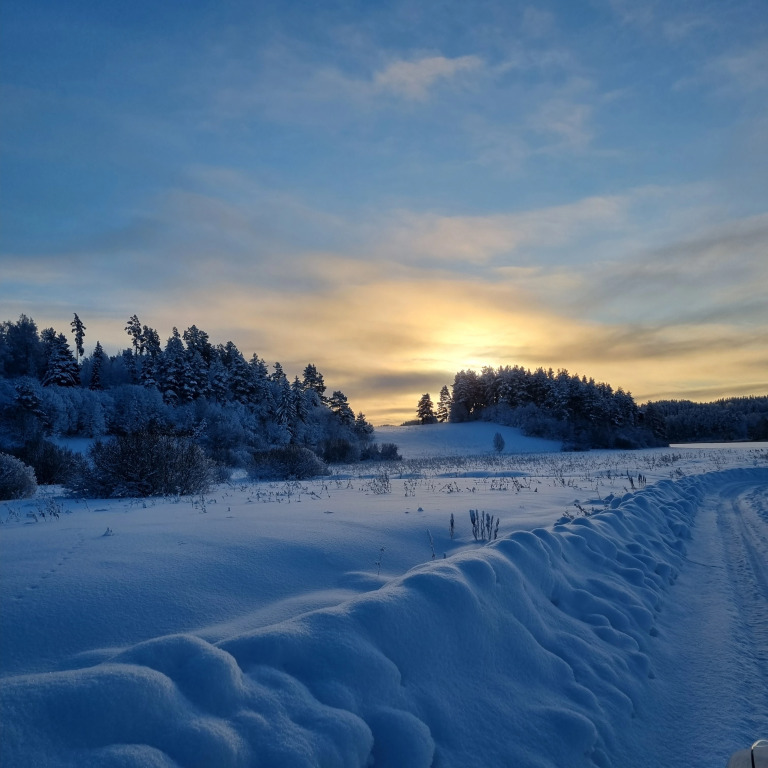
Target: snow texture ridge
column 535, row 650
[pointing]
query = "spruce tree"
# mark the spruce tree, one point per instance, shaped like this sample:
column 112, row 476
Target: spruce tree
column 79, row 330
column 444, row 404
column 97, row 361
column 425, row 410
column 62, row 369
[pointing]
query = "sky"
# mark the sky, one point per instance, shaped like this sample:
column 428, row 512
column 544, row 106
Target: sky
column 396, row 191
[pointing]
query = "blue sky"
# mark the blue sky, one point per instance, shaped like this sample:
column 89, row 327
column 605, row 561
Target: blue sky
column 396, row 191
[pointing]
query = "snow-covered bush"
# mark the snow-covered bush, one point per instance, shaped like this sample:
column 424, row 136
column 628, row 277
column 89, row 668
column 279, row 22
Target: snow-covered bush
column 17, row 480
column 144, row 464
column 286, row 462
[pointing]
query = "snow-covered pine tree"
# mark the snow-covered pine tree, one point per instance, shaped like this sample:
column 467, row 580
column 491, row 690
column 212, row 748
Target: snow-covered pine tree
column 198, row 341
column 259, row 377
column 173, row 370
column 313, row 379
column 286, row 407
column 218, row 380
column 240, row 374
column 363, row 429
column 426, row 410
column 97, row 361
column 300, row 400
column 444, row 404
column 62, row 369
column 23, row 353
column 151, row 339
column 340, row 407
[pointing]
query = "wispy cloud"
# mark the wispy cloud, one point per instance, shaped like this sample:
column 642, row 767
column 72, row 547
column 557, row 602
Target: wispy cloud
column 746, row 71
column 414, row 79
column 481, row 239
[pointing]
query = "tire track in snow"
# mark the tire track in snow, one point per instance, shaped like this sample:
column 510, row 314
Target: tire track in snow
column 744, row 519
column 710, row 696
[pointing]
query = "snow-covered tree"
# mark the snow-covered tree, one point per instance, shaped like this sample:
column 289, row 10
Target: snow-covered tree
column 21, row 350
column 444, row 404
column 97, row 362
column 363, row 429
column 62, row 369
column 300, row 400
column 151, row 340
column 426, row 410
column 198, row 341
column 313, row 379
column 340, row 407
column 173, row 370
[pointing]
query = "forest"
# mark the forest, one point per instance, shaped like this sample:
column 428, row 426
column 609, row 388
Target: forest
column 587, row 414
column 153, row 400
column 155, row 403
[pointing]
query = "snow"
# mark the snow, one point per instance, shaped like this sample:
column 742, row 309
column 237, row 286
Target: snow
column 461, row 440
column 306, row 624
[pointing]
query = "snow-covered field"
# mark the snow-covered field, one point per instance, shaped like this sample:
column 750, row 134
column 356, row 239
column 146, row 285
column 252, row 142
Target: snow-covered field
column 337, row 623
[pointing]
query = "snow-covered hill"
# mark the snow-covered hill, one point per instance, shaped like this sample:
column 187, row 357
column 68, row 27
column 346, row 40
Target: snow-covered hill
column 307, row 624
column 468, row 439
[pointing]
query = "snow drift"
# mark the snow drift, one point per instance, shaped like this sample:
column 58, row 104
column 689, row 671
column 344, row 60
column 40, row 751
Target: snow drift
column 532, row 651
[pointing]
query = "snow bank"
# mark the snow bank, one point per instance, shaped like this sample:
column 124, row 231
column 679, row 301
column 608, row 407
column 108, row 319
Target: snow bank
column 532, row 651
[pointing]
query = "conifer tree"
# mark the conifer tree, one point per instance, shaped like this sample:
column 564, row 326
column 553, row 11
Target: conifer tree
column 425, row 410
column 444, row 404
column 97, row 361
column 134, row 330
column 313, row 379
column 299, row 399
column 23, row 351
column 363, row 429
column 79, row 330
column 62, row 369
column 340, row 407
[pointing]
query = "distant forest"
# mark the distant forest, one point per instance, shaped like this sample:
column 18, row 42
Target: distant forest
column 188, row 387
column 243, row 413
column 587, row 414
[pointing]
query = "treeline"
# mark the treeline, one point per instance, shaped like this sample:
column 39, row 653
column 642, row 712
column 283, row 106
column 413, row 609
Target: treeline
column 188, row 388
column 735, row 418
column 558, row 405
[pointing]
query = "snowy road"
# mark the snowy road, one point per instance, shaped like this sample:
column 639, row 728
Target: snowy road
column 710, row 696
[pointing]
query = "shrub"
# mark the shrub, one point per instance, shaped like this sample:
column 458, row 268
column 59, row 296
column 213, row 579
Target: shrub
column 286, row 462
column 339, row 450
column 53, row 464
column 17, row 480
column 498, row 442
column 389, row 452
column 370, row 452
column 144, row 464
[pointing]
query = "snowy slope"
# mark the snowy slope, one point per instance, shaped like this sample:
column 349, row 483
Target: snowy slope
column 460, row 440
column 263, row 625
